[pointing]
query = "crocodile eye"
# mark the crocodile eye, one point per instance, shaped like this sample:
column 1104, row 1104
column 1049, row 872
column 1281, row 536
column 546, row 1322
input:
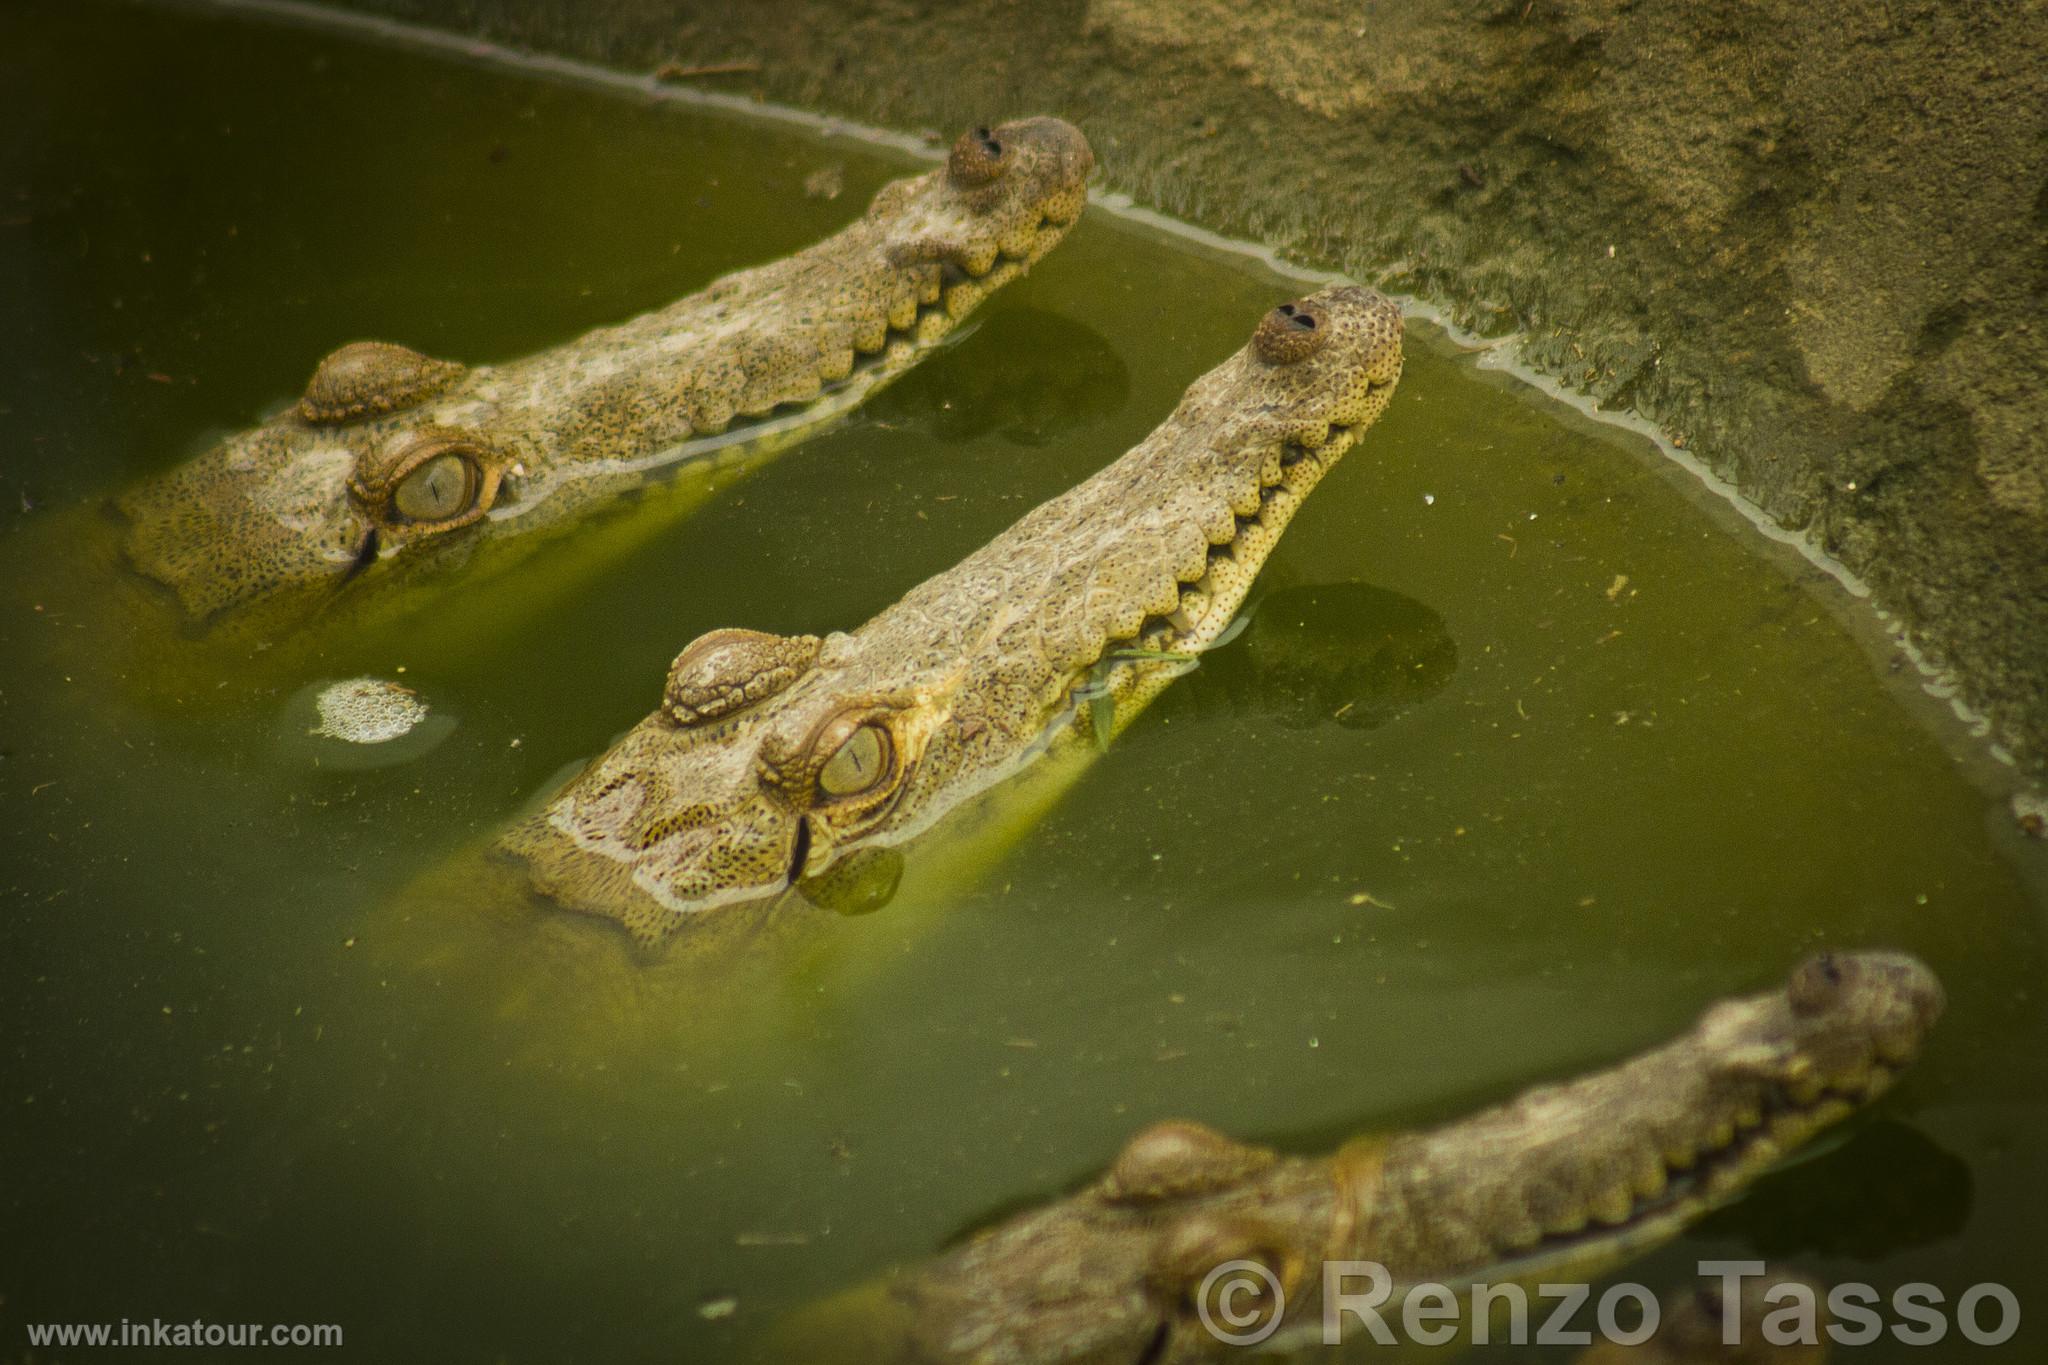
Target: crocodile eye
column 442, row 487
column 859, row 763
column 428, row 481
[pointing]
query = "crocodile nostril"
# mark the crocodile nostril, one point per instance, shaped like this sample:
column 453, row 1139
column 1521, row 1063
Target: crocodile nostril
column 977, row 159
column 1290, row 333
column 1815, row 986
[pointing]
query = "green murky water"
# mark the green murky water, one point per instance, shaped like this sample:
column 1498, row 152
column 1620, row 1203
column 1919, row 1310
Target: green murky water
column 1458, row 813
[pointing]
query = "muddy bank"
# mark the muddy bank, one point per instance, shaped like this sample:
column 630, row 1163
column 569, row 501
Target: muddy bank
column 1812, row 245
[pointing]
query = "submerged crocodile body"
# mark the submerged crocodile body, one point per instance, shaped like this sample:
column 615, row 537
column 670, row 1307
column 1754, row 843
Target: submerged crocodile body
column 1558, row 1185
column 392, row 457
column 773, row 758
column 1698, row 1324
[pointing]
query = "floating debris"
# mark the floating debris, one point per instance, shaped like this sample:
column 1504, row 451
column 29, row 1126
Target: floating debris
column 359, row 723
column 368, row 711
column 827, row 183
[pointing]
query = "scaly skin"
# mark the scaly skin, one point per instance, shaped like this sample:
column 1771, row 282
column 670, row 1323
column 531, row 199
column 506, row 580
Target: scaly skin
column 772, row 759
column 393, row 460
column 1559, row 1185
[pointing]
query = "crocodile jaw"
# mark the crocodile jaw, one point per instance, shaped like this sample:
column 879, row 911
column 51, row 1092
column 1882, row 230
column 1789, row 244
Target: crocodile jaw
column 1558, row 1185
column 293, row 513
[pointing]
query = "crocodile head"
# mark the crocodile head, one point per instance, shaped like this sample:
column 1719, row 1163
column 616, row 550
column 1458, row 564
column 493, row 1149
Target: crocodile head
column 772, row 758
column 1558, row 1185
column 394, row 459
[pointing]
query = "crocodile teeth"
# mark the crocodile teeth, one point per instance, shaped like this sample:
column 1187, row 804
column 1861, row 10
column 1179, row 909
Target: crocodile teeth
column 1228, row 578
column 1281, row 505
column 1301, row 469
column 1764, row 1149
column 1679, row 1156
column 872, row 334
column 1818, row 1115
column 1219, row 526
column 1566, row 1222
column 1520, row 1234
column 961, row 298
column 714, row 416
column 1651, row 1179
column 1614, row 1207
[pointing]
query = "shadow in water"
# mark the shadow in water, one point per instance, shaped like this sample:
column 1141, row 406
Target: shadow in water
column 1348, row 654
column 1028, row 375
column 1340, row 653
column 1888, row 1188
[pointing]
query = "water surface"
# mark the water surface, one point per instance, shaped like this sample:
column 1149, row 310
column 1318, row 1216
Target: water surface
column 1528, row 755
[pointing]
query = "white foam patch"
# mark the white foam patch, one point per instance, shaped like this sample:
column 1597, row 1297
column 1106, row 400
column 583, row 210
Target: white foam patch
column 368, row 711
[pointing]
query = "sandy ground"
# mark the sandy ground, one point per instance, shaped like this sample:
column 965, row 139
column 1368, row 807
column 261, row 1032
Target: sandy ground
column 1809, row 241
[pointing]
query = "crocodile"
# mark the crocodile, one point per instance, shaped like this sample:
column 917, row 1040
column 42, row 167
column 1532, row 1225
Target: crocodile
column 1556, row 1186
column 773, row 759
column 392, row 459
